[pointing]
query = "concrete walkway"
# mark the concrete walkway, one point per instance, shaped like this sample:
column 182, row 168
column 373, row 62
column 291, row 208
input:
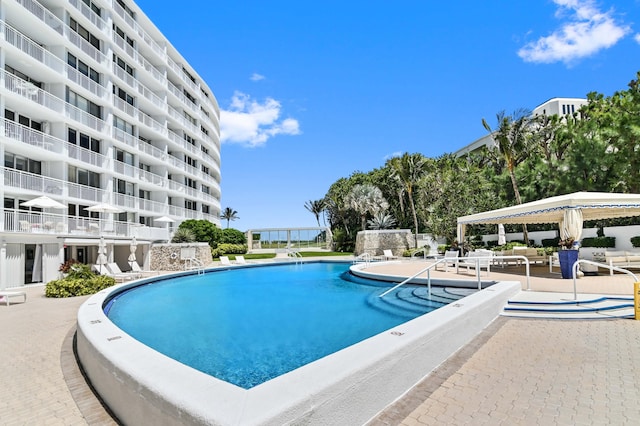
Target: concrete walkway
column 517, row 371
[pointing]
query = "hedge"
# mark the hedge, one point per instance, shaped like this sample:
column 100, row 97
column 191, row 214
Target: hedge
column 70, row 287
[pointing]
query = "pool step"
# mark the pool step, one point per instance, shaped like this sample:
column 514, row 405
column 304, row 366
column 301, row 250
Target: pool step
column 598, row 308
column 410, row 300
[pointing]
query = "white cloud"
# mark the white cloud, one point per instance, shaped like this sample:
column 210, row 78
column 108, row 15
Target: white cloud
column 256, row 77
column 250, row 122
column 586, row 30
column 393, row 155
column 637, row 38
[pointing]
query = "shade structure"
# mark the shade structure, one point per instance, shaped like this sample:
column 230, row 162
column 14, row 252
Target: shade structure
column 592, row 206
column 164, row 219
column 104, row 208
column 132, row 250
column 44, row 202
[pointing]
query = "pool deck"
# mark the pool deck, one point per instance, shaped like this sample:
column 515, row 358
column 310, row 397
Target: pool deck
column 517, row 371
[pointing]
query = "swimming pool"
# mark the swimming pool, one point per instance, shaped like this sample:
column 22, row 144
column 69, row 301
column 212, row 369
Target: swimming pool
column 142, row 386
column 249, row 325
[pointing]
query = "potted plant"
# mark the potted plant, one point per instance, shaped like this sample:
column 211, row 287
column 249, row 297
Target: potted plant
column 568, row 255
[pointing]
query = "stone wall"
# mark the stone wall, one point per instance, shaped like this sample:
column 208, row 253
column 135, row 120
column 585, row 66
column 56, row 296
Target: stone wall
column 171, row 257
column 374, row 242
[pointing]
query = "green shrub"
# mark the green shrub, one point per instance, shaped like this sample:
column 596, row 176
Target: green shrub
column 224, row 249
column 232, row 236
column 599, row 242
column 551, row 242
column 183, row 235
column 635, row 241
column 70, row 287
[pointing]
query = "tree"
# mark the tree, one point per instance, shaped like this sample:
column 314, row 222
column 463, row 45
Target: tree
column 316, row 207
column 366, row 199
column 512, row 144
column 229, row 214
column 408, row 170
column 203, row 231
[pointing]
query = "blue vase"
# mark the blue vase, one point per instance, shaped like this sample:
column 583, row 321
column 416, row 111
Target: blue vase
column 567, row 259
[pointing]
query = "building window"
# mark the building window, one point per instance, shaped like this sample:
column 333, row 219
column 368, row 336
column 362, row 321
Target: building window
column 93, row 7
column 123, row 187
column 18, row 162
column 189, row 76
column 145, row 195
column 121, row 124
column 123, row 35
column 190, row 161
column 190, row 182
column 122, row 64
column 204, row 149
column 188, row 95
column 84, row 33
column 84, row 177
column 203, row 130
column 189, row 139
column 205, row 189
column 126, row 8
column 205, row 209
column 190, row 118
column 83, row 104
column 122, row 95
column 83, row 68
column 124, row 157
column 190, row 205
column 85, row 141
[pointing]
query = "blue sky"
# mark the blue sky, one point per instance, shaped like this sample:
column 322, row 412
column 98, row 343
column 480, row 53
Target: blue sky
column 313, row 91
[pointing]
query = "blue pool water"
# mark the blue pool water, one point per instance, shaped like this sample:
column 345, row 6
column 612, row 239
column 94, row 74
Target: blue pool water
column 249, row 325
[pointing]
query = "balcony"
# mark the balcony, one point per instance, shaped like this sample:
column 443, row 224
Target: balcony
column 24, row 222
column 90, row 15
column 31, row 48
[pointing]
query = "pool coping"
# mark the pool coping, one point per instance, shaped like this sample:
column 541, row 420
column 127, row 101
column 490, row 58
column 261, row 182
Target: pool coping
column 351, row 386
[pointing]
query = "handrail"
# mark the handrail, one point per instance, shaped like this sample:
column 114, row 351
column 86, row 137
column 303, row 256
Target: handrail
column 295, row 254
column 364, row 257
column 574, row 271
column 457, row 260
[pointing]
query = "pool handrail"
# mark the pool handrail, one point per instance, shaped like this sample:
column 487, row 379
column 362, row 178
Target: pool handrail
column 472, row 259
column 295, row 254
column 574, row 272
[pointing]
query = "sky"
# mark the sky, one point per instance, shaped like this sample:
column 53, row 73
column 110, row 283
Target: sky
column 311, row 92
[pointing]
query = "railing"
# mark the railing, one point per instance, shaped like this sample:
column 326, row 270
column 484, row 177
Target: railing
column 19, row 221
column 295, row 254
column 43, row 14
column 477, row 260
column 89, row 14
column 31, row 48
column 574, row 271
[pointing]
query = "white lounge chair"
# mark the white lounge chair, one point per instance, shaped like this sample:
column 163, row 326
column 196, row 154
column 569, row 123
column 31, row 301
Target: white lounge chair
column 5, row 295
column 224, row 260
column 388, row 255
column 240, row 260
column 451, row 258
column 115, row 270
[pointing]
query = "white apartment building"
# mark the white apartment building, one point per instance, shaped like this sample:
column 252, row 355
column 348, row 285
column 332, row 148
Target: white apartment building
column 554, row 106
column 97, row 107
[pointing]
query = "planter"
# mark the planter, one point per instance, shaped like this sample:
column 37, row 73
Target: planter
column 567, row 259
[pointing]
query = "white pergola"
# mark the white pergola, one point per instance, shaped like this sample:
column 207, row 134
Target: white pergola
column 566, row 210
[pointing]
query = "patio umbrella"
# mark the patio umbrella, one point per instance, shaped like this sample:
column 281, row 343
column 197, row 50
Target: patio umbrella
column 104, row 208
column 132, row 250
column 164, row 219
column 571, row 224
column 502, row 236
column 102, row 254
column 44, row 202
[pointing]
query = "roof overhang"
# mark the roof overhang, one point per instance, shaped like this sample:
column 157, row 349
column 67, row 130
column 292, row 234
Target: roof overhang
column 594, row 205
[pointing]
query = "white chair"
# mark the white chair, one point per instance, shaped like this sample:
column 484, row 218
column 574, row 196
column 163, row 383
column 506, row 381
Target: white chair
column 114, row 270
column 554, row 261
column 5, row 295
column 388, row 255
column 450, row 258
column 240, row 260
column 224, row 260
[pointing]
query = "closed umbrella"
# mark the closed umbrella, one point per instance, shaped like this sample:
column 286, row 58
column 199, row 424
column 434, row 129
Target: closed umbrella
column 132, row 250
column 571, row 224
column 102, row 254
column 502, row 236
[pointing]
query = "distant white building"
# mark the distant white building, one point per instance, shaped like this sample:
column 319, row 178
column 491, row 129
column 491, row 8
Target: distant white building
column 554, row 106
column 97, row 107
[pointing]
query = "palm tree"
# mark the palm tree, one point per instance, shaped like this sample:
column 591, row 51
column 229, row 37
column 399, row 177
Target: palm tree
column 512, row 144
column 382, row 220
column 316, row 207
column 408, row 170
column 366, row 199
column 229, row 214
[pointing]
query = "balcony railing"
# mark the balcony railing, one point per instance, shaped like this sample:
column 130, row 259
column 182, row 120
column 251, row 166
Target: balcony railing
column 43, row 14
column 90, row 14
column 31, row 48
column 25, row 222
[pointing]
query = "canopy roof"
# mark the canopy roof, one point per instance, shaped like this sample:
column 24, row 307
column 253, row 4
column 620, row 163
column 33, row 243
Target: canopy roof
column 594, row 205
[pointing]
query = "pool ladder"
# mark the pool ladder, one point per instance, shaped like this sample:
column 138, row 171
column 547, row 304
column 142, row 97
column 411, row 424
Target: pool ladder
column 194, row 264
column 295, row 254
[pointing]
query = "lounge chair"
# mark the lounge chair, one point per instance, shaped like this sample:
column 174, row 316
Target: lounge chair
column 224, row 260
column 114, row 270
column 451, row 257
column 5, row 295
column 388, row 255
column 240, row 260
column 103, row 270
